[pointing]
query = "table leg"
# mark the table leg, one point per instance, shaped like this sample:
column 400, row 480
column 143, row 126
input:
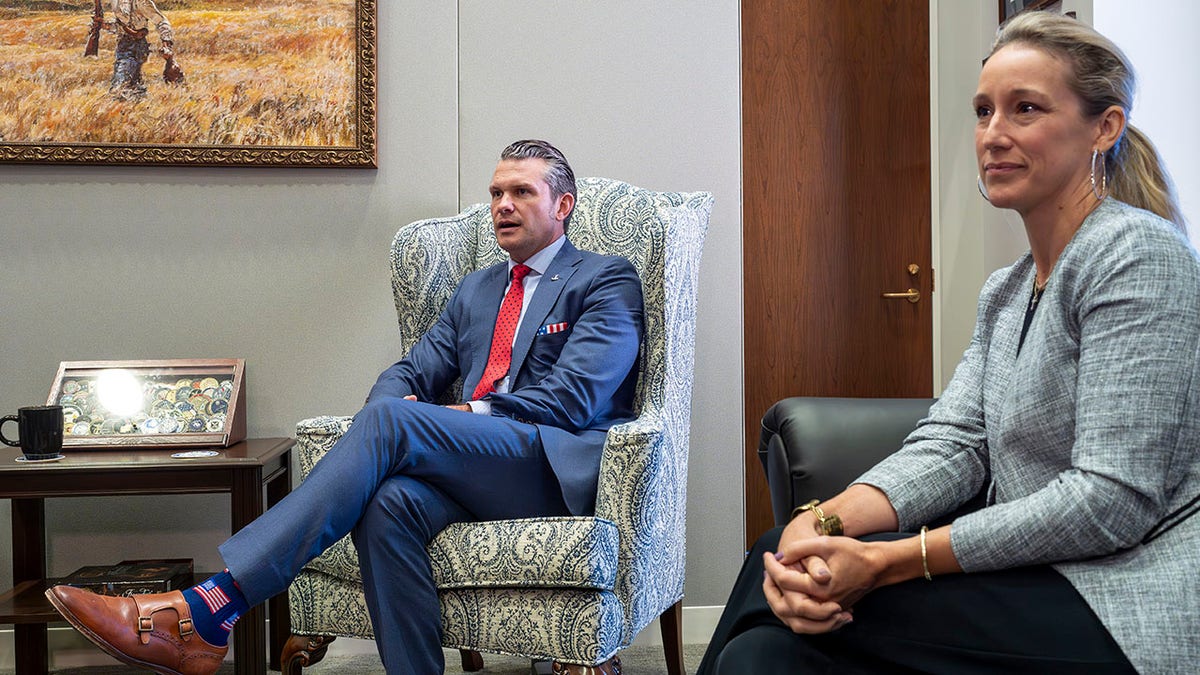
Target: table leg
column 278, row 487
column 33, row 658
column 29, row 562
column 249, row 633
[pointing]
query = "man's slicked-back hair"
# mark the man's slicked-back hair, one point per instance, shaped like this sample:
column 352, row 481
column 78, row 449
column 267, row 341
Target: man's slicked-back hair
column 559, row 175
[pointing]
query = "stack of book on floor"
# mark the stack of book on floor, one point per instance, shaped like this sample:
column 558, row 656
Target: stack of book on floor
column 133, row 577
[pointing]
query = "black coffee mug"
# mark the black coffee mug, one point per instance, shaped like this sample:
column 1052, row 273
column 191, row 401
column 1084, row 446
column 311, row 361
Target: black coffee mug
column 41, row 430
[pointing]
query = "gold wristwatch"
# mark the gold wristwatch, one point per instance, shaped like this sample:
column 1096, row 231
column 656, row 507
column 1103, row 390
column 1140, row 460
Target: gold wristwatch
column 830, row 525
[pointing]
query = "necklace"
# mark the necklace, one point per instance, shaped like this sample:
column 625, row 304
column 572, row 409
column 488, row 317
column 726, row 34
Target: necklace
column 1036, row 295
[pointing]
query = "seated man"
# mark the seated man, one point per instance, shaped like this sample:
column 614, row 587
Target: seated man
column 549, row 362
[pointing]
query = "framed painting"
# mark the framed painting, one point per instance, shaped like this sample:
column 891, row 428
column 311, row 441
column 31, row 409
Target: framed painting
column 267, row 83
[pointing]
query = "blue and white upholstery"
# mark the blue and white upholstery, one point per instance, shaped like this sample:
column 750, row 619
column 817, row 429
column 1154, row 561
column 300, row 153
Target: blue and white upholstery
column 572, row 589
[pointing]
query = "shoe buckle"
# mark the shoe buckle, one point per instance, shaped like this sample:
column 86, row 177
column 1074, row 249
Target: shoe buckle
column 185, row 628
column 145, row 626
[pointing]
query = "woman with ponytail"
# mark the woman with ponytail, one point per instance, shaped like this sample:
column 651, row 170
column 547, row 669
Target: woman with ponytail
column 1074, row 418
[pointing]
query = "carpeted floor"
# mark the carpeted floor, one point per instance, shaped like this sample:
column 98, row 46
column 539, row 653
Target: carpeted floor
column 634, row 661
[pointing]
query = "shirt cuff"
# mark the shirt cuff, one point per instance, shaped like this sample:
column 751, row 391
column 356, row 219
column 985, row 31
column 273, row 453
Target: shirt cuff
column 480, row 407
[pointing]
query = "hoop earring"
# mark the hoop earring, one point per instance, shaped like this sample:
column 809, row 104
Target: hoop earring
column 982, row 189
column 1100, row 191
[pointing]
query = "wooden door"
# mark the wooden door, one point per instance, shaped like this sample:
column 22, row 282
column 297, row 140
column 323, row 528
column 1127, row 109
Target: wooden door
column 836, row 211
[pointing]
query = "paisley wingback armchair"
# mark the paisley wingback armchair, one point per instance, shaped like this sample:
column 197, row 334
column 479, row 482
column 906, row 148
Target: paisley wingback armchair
column 572, row 590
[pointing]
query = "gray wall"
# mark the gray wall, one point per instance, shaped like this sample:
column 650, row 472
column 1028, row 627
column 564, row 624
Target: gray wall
column 970, row 237
column 1159, row 43
column 288, row 268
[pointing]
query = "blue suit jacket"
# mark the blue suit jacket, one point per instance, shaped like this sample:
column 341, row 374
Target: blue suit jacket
column 573, row 385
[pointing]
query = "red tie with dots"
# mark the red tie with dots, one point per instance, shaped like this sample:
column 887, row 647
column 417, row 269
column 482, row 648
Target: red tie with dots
column 500, row 358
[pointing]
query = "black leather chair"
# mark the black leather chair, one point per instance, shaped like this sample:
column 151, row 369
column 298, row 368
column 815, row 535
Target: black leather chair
column 812, row 448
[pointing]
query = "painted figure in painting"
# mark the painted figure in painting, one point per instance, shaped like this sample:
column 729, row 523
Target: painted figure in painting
column 131, row 22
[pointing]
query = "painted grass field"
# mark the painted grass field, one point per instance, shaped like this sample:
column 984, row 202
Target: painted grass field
column 258, row 72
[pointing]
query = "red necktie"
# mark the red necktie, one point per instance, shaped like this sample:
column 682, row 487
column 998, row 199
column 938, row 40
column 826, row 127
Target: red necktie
column 500, row 358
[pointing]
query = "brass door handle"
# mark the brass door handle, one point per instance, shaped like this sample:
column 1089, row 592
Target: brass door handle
column 912, row 295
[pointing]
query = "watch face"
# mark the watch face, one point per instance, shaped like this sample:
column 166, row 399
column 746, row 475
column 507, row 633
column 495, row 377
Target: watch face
column 832, row 525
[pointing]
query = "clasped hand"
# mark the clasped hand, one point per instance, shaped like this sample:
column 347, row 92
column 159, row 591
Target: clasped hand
column 812, row 583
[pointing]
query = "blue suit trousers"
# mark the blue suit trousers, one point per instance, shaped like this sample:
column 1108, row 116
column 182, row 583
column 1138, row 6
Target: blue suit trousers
column 403, row 472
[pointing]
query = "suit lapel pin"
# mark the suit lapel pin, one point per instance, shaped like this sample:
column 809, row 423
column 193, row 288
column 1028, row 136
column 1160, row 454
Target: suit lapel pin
column 554, row 278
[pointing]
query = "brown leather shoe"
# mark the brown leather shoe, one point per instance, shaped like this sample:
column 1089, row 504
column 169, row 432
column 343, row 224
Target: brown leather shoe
column 147, row 631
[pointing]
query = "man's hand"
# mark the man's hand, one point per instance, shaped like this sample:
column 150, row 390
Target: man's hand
column 463, row 407
column 167, row 49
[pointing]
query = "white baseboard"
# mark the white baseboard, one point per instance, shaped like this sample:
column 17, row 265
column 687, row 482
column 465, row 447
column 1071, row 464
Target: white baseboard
column 69, row 649
column 698, row 626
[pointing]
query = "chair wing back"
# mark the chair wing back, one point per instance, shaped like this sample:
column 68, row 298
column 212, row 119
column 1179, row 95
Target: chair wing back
column 643, row 474
column 429, row 258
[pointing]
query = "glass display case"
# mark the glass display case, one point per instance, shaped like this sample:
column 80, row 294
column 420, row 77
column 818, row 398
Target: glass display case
column 171, row 403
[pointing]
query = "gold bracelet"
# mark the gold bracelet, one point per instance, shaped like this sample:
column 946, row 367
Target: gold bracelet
column 924, row 556
column 830, row 525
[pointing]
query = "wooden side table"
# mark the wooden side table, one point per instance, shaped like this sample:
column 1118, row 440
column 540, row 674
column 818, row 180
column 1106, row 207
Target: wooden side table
column 242, row 470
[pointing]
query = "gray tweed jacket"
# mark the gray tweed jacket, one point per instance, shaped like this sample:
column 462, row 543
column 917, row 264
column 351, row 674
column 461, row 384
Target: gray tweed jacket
column 1088, row 439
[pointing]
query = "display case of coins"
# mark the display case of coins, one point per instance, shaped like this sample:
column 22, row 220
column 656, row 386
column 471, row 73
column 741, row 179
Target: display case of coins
column 172, row 403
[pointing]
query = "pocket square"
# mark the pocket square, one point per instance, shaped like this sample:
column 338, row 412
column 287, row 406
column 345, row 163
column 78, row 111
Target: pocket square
column 553, row 328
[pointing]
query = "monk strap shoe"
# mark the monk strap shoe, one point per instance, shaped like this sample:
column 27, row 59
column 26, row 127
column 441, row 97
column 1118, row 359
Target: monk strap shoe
column 147, row 631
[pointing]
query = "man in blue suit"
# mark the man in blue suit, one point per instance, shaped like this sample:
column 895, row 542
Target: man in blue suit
column 547, row 345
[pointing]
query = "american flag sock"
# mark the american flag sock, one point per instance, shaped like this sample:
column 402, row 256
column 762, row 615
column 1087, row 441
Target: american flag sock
column 216, row 604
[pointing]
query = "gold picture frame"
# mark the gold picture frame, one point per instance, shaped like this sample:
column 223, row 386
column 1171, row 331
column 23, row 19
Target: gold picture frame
column 169, row 403
column 267, row 83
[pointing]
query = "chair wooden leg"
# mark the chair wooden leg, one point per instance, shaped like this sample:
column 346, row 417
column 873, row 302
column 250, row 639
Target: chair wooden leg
column 301, row 651
column 609, row 667
column 472, row 660
column 671, row 623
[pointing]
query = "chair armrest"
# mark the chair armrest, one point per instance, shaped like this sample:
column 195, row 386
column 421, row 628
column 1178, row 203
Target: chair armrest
column 812, row 448
column 626, row 463
column 643, row 491
column 315, row 436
